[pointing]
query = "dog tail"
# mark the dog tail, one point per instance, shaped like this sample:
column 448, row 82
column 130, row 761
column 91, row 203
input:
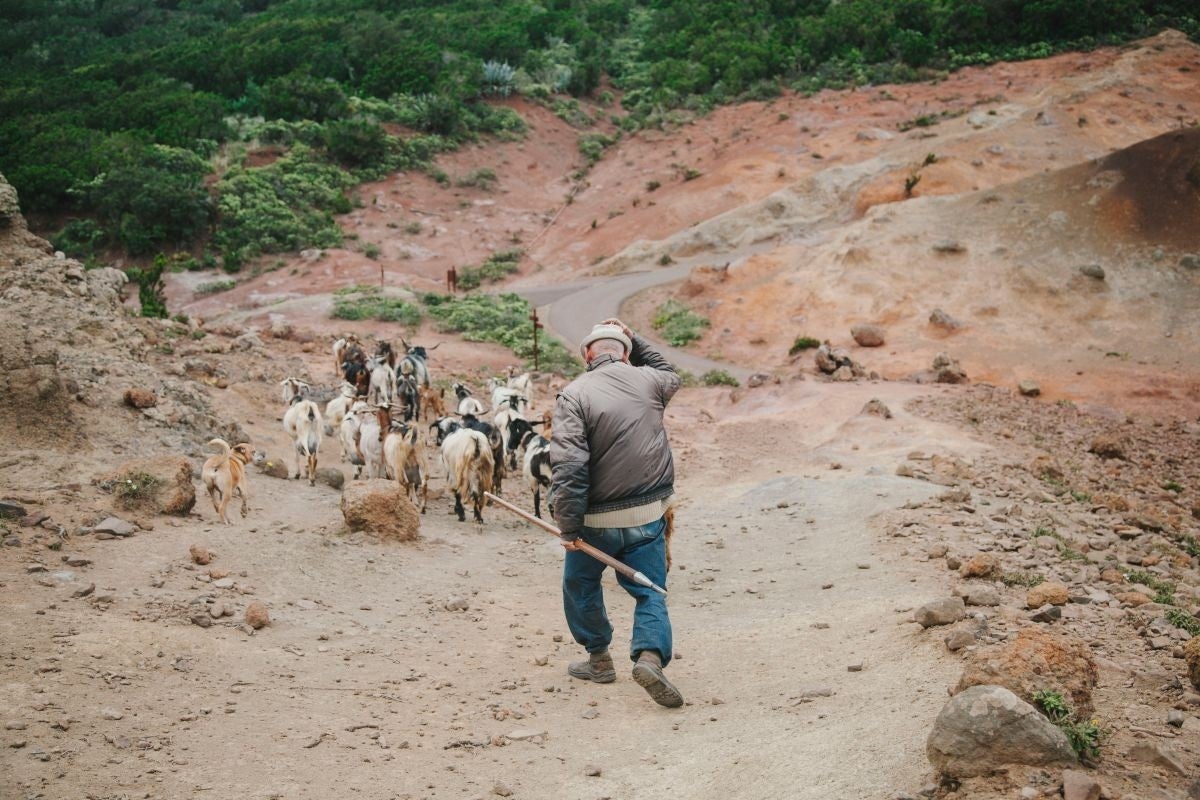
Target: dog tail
column 221, row 445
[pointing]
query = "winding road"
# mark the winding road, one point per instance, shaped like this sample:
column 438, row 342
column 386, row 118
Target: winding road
column 570, row 310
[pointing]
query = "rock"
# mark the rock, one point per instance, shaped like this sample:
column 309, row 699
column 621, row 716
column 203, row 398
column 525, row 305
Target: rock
column 273, row 468
column 1029, row 388
column 157, row 485
column 78, row 561
column 333, row 478
column 246, row 342
column 11, row 510
column 810, row 692
column 1132, row 598
column 457, row 604
column 1191, row 655
column 115, row 526
column 867, row 335
column 1080, row 786
column 84, row 591
column 1175, row 718
column 1158, row 755
column 592, row 771
column 979, row 595
column 502, row 790
column 1111, row 575
column 111, row 714
column 758, row 379
column 958, row 638
column 140, row 398
column 940, row 319
column 217, row 610
column 949, row 246
column 1092, row 271
column 987, row 727
column 876, row 407
column 833, row 360
column 379, row 507
column 14, row 725
column 201, row 618
column 980, row 566
column 1190, row 261
column 1035, row 660
column 223, row 583
column 938, row 550
column 940, row 612
column 947, row 370
column 257, row 615
column 200, row 555
column 1049, row 592
column 1109, row 445
column 1046, row 613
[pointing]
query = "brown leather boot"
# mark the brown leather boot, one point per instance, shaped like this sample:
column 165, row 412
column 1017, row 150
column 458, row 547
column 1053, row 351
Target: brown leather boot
column 648, row 672
column 597, row 669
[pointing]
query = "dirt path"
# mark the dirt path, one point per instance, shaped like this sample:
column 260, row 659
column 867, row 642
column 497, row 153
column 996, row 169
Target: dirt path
column 366, row 686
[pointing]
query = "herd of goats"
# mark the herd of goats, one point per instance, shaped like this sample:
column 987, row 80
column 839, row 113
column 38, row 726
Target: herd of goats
column 376, row 418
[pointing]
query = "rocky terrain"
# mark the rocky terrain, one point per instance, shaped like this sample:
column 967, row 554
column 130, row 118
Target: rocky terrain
column 908, row 563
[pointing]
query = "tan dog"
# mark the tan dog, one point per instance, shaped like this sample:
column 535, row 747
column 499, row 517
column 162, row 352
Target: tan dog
column 224, row 475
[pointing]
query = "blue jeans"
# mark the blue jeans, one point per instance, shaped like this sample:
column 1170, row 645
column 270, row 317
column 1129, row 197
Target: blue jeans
column 644, row 548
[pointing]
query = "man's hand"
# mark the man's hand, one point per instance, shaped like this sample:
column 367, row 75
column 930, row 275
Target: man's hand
column 624, row 328
column 569, row 544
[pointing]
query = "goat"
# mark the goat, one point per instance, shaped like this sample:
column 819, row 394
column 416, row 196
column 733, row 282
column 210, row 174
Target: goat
column 303, row 423
column 410, row 397
column 373, row 427
column 503, row 396
column 341, row 350
column 384, row 352
column 382, row 386
column 415, row 362
column 467, row 405
column 292, row 388
column 357, row 375
column 404, row 453
column 336, row 409
column 522, row 384
column 505, row 414
column 467, row 458
column 348, row 435
column 432, row 403
column 447, row 426
column 536, row 464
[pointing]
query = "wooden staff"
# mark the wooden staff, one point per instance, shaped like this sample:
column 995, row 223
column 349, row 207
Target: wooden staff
column 599, row 555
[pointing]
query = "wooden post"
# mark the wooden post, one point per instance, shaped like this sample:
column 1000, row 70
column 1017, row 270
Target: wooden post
column 534, row 318
column 451, row 281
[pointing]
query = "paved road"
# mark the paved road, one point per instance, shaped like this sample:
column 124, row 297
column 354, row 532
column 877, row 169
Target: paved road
column 570, row 310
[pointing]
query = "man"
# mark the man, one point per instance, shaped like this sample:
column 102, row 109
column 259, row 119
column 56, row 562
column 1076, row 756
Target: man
column 613, row 478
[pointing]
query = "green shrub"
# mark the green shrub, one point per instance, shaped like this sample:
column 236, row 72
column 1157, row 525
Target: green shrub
column 803, row 343
column 1085, row 736
column 357, row 142
column 501, row 319
column 79, row 238
column 678, row 324
column 719, row 377
column 371, row 251
column 1184, row 621
column 652, row 185
column 215, row 287
column 133, row 489
column 495, row 269
column 593, row 145
column 412, row 228
column 482, row 178
column 150, row 287
column 1026, row 579
column 368, row 302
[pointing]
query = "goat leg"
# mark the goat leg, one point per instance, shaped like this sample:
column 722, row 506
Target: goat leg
column 458, row 508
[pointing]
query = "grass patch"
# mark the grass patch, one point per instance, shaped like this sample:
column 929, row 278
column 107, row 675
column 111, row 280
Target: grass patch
column 368, row 302
column 502, row 319
column 593, row 145
column 482, row 178
column 1172, row 486
column 133, row 489
column 214, row 287
column 1184, row 621
column 718, row 377
column 1191, row 546
column 803, row 343
column 1026, row 579
column 1085, row 735
column 495, row 269
column 1164, row 590
column 678, row 324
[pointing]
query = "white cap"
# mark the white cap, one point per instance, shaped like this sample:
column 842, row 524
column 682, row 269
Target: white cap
column 605, row 332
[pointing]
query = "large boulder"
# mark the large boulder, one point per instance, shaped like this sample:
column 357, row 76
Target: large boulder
column 155, row 485
column 947, row 370
column 987, row 728
column 379, row 507
column 1036, row 660
column 867, row 335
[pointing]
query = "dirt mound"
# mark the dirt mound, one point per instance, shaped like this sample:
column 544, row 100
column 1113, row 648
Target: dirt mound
column 379, row 507
column 158, row 486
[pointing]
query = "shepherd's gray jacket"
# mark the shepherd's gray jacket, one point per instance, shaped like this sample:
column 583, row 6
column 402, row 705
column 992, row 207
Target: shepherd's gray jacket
column 609, row 449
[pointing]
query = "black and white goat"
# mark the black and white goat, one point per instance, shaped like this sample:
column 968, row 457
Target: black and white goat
column 536, row 462
column 446, row 426
column 467, row 405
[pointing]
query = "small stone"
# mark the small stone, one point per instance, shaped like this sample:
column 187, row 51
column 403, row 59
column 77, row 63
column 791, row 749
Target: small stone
column 333, row 478
column 592, row 771
column 1158, row 755
column 200, row 555
column 1029, row 388
column 1050, row 592
column 1132, row 598
column 216, row 610
column 111, row 714
column 980, row 595
column 257, row 615
column 502, row 790
column 875, row 407
column 979, row 566
column 140, row 398
column 940, row 612
column 1046, row 613
column 223, row 583
column 14, row 725
column 77, row 561
column 937, row 551
column 591, row 713
column 1175, row 718
column 202, row 618
column 948, row 246
column 868, row 335
column 116, row 526
column 940, row 319
column 1092, row 271
column 959, row 638
column 457, row 603
column 84, row 591
column 12, row 510
column 857, row 667
column 1080, row 786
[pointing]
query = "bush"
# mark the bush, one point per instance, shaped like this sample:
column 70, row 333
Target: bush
column 593, row 145
column 719, row 377
column 803, row 343
column 482, row 178
column 356, row 142
column 678, row 324
column 150, row 287
column 1085, row 736
column 79, row 238
column 134, row 488
column 495, row 269
column 368, row 302
column 502, row 319
column 215, row 287
column 1184, row 621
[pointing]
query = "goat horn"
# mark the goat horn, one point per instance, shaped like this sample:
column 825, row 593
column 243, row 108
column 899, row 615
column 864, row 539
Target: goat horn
column 436, row 346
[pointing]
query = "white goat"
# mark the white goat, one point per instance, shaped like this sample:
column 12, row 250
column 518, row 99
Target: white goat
column 522, row 383
column 348, row 435
column 335, row 412
column 293, row 387
column 303, row 423
column 405, row 455
column 467, row 457
column 466, row 403
column 373, row 427
column 382, row 388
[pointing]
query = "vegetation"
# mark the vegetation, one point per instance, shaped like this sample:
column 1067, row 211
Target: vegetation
column 1026, row 579
column 150, row 288
column 495, row 269
column 134, row 488
column 803, row 343
column 1184, row 621
column 369, row 302
column 502, row 319
column 1085, row 735
column 678, row 324
column 1164, row 590
column 718, row 377
column 117, row 112
column 214, row 287
column 482, row 178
